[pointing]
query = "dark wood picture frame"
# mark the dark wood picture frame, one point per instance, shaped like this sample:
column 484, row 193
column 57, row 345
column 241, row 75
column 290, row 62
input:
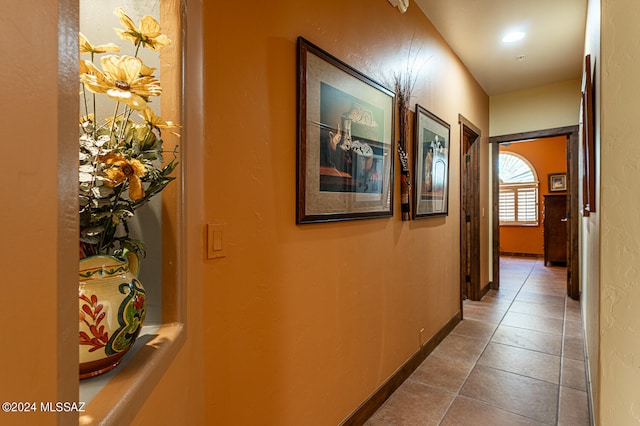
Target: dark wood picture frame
column 345, row 156
column 587, row 134
column 557, row 182
column 431, row 146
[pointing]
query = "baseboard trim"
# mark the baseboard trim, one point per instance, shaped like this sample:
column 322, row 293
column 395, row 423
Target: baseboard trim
column 361, row 414
column 484, row 290
column 513, row 254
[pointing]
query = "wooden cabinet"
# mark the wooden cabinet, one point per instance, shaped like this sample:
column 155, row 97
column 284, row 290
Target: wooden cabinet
column 555, row 229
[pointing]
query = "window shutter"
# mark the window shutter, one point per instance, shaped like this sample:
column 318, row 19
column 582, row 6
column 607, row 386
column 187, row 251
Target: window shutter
column 518, row 203
column 528, row 205
column 507, row 206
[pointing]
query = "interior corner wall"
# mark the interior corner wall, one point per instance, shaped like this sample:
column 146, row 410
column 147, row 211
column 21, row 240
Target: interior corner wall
column 590, row 245
column 548, row 155
column 545, row 107
column 302, row 323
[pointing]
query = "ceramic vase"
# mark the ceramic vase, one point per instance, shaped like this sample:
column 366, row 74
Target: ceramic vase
column 112, row 305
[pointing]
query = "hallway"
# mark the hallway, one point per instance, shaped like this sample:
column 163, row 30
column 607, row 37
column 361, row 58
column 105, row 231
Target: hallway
column 517, row 358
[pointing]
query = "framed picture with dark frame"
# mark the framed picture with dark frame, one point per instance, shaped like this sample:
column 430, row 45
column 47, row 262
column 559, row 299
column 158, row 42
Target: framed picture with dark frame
column 430, row 165
column 587, row 134
column 345, row 141
column 557, row 182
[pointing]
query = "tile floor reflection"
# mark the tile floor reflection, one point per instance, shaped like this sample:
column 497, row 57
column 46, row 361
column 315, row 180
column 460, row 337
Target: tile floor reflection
column 517, row 358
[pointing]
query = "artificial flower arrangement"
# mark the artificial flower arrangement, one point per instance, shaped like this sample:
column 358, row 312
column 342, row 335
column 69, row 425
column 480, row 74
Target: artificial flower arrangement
column 121, row 163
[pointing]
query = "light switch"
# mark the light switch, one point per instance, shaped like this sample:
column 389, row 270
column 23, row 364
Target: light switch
column 216, row 240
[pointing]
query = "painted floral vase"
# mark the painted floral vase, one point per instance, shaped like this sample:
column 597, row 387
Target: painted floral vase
column 112, row 306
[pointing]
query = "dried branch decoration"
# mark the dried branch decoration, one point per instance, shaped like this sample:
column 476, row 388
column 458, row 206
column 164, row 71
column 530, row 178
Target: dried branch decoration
column 402, row 5
column 404, row 84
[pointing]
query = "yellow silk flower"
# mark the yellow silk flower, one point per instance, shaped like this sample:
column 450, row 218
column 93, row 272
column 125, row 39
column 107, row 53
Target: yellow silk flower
column 123, row 169
column 155, row 121
column 86, row 47
column 121, row 79
column 148, row 34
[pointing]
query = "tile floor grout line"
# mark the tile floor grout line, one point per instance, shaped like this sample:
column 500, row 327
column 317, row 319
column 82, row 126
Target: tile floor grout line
column 517, row 374
column 506, row 410
column 526, row 349
column 530, row 329
column 564, row 318
column 539, row 316
column 564, row 325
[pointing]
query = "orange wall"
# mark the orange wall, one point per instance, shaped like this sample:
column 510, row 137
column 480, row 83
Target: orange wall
column 547, row 155
column 303, row 323
column 38, row 220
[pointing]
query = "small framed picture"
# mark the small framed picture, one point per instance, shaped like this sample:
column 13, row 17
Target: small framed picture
column 557, row 182
column 431, row 165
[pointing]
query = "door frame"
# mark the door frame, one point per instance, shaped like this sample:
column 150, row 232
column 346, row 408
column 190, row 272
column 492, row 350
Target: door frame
column 573, row 212
column 470, row 286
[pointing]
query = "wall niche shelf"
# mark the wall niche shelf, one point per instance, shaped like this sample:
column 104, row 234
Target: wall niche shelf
column 115, row 397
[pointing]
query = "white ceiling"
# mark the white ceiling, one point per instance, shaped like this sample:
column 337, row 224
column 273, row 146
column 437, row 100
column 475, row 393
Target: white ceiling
column 553, row 47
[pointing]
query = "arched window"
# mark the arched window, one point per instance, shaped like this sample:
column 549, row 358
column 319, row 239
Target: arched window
column 518, row 190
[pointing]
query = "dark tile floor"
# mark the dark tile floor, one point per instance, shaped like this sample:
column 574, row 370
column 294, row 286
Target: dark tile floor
column 517, row 358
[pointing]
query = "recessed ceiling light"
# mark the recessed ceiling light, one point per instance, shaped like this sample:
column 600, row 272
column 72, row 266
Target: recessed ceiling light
column 514, row 36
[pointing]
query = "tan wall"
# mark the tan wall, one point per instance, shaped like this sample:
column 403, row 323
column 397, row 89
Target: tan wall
column 547, row 155
column 302, row 323
column 545, row 107
column 619, row 228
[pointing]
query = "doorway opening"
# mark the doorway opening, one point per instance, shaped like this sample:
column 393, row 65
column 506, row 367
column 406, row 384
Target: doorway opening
column 571, row 190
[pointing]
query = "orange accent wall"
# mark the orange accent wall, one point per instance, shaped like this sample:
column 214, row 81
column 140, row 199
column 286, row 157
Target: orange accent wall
column 547, row 155
column 302, row 323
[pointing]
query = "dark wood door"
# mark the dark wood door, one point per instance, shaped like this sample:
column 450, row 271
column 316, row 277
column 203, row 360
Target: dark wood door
column 555, row 229
column 470, row 211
